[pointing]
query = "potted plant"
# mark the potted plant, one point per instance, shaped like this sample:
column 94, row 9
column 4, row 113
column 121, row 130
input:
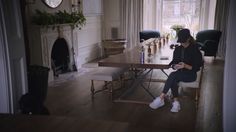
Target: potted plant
column 177, row 28
column 43, row 18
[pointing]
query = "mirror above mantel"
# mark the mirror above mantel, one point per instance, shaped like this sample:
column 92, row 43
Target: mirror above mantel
column 52, row 3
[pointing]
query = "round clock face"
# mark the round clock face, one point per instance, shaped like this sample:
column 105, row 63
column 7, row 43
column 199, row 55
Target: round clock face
column 52, row 3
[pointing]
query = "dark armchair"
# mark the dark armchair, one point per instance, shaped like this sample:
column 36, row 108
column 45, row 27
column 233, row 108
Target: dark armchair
column 147, row 34
column 208, row 41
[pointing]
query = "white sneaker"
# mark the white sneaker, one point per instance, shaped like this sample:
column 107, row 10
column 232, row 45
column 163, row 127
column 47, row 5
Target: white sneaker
column 157, row 103
column 175, row 106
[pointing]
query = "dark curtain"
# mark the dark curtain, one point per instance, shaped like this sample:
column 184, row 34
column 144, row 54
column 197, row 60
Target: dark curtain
column 221, row 20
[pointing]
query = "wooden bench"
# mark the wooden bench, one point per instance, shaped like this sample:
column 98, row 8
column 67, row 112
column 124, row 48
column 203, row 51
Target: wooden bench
column 108, row 75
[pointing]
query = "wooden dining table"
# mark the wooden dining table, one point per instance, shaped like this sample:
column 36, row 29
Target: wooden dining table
column 156, row 56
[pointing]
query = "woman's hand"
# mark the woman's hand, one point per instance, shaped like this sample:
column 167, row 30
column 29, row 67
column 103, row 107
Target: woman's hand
column 178, row 66
column 182, row 65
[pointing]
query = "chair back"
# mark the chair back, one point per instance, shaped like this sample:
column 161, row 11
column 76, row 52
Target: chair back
column 204, row 35
column 209, row 41
column 147, row 34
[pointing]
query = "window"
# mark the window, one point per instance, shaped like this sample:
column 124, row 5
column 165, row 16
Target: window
column 183, row 12
column 171, row 12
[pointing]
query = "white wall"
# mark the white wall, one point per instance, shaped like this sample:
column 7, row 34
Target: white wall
column 229, row 97
column 92, row 7
column 111, row 18
column 89, row 41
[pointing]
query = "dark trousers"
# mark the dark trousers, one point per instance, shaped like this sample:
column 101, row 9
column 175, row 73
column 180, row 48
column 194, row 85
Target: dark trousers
column 175, row 77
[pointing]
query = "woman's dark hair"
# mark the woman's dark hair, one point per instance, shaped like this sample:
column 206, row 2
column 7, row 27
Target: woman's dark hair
column 191, row 40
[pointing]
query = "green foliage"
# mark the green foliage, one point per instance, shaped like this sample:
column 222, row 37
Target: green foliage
column 43, row 18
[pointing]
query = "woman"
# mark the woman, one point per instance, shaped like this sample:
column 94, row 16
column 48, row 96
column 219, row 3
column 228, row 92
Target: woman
column 187, row 60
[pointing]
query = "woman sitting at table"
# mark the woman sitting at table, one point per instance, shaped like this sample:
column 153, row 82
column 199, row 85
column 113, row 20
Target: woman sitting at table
column 187, row 60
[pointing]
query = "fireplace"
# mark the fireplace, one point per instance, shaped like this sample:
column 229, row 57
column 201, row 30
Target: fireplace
column 60, row 57
column 53, row 47
column 83, row 45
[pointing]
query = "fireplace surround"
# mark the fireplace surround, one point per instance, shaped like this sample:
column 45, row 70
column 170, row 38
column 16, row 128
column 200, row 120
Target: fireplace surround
column 42, row 41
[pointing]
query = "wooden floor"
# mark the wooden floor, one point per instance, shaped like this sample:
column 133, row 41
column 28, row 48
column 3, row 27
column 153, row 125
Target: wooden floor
column 72, row 98
column 209, row 117
column 39, row 123
column 69, row 96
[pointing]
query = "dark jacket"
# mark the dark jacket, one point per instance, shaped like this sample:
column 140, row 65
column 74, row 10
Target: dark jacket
column 190, row 55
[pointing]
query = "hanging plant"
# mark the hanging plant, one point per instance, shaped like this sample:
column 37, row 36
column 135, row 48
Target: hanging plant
column 43, row 18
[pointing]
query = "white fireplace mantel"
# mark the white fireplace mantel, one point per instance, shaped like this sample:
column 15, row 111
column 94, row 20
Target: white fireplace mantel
column 41, row 41
column 85, row 43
